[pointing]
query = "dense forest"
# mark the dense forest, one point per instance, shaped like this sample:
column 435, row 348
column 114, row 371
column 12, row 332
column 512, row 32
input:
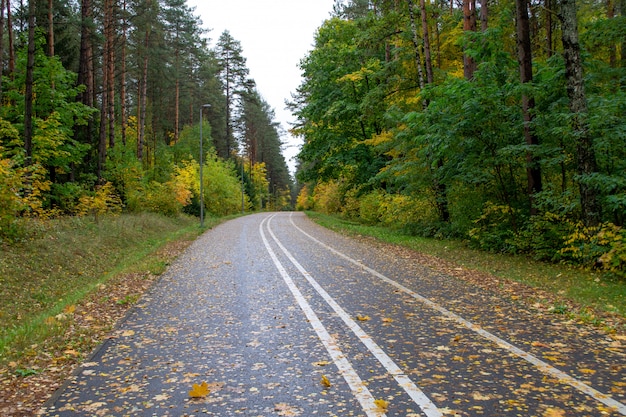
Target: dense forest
column 502, row 123
column 101, row 109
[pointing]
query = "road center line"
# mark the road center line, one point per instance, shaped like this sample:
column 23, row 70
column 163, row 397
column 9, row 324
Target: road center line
column 359, row 389
column 541, row 365
column 427, row 406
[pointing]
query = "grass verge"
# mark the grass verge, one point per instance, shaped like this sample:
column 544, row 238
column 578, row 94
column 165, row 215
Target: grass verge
column 64, row 261
column 586, row 295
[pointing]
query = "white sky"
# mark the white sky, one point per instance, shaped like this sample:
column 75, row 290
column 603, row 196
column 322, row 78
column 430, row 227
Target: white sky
column 275, row 35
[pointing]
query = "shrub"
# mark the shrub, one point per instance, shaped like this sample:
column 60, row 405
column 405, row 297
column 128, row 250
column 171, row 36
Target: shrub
column 494, row 229
column 304, row 200
column 103, row 200
column 370, row 207
column 597, row 247
column 10, row 202
column 327, row 197
column 402, row 212
column 544, row 236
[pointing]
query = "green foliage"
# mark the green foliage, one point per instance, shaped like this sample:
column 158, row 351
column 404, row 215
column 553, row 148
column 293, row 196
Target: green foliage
column 222, row 188
column 55, row 108
column 494, row 229
column 600, row 247
column 370, row 207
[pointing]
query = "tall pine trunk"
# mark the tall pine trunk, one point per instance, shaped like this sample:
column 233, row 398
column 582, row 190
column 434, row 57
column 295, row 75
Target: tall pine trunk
column 622, row 8
column 585, row 158
column 549, row 26
column 610, row 14
column 143, row 100
column 110, row 68
column 1, row 45
column 469, row 25
column 484, row 15
column 524, row 56
column 28, row 95
column 50, row 29
column 11, row 40
column 177, row 100
column 123, row 46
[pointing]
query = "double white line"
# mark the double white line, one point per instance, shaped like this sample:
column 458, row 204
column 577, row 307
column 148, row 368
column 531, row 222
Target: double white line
column 359, row 389
column 542, row 366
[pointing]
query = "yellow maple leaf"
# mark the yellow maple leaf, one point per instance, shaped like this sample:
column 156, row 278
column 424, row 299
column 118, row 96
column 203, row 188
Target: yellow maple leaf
column 199, row 391
column 387, row 320
column 70, row 309
column 362, row 318
column 554, row 412
column 382, row 404
column 325, row 382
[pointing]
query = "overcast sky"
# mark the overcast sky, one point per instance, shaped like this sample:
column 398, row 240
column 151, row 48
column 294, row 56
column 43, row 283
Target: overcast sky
column 275, row 35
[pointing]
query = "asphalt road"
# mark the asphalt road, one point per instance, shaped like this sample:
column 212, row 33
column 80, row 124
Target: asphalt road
column 280, row 317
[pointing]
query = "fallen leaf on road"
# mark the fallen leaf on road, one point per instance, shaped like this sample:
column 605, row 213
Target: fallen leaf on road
column 199, row 391
column 554, row 412
column 382, row 404
column 325, row 382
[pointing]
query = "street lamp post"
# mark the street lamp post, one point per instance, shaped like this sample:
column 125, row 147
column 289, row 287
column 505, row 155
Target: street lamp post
column 242, row 199
column 201, row 163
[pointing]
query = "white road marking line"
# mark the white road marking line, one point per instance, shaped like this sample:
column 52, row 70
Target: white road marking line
column 541, row 365
column 416, row 394
column 359, row 389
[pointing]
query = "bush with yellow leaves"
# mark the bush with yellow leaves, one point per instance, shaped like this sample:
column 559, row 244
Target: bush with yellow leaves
column 327, row 197
column 601, row 247
column 103, row 200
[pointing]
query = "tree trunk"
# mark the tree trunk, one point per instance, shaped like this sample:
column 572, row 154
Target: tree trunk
column 622, row 12
column 28, row 95
column 524, row 56
column 110, row 68
column 85, row 65
column 610, row 14
column 143, row 100
column 427, row 52
column 484, row 15
column 586, row 159
column 469, row 25
column 177, row 102
column 1, row 45
column 549, row 4
column 104, row 105
column 123, row 46
column 11, row 41
column 50, row 29
column 416, row 46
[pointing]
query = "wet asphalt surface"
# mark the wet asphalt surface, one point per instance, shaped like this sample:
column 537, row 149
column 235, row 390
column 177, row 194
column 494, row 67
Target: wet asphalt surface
column 262, row 311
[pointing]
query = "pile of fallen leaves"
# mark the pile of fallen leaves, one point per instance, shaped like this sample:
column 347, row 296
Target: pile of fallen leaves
column 25, row 385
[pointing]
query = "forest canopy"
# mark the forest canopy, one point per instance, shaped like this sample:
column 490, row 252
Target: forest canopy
column 501, row 122
column 101, row 109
